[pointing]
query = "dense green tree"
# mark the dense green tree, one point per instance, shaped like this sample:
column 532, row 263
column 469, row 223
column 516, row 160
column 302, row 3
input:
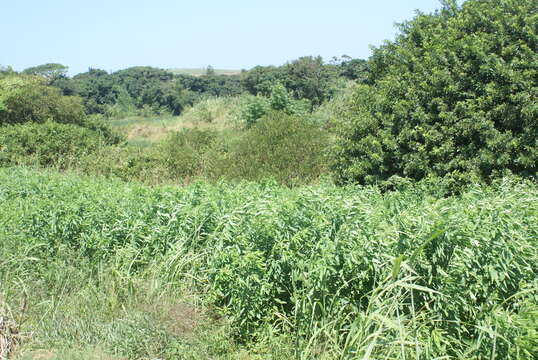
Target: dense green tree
column 137, row 80
column 261, row 79
column 96, row 88
column 137, row 87
column 29, row 99
column 353, row 69
column 99, row 90
column 50, row 71
column 213, row 85
column 223, row 85
column 309, row 78
column 305, row 78
column 455, row 96
column 156, row 88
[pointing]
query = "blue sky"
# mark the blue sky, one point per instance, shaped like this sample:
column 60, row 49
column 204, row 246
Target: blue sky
column 234, row 34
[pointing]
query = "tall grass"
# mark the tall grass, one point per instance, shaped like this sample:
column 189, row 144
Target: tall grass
column 315, row 272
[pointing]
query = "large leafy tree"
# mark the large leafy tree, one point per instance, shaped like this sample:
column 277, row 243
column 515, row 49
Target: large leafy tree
column 260, row 79
column 29, row 99
column 454, row 96
column 309, row 78
column 306, row 78
column 139, row 79
column 97, row 88
column 50, row 71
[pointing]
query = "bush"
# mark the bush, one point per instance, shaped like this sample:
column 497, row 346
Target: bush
column 454, row 97
column 285, row 147
column 182, row 153
column 255, row 110
column 28, row 99
column 46, row 144
column 127, row 163
column 280, row 100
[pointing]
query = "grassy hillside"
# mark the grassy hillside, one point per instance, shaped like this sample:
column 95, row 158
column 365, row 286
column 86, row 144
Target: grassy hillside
column 261, row 271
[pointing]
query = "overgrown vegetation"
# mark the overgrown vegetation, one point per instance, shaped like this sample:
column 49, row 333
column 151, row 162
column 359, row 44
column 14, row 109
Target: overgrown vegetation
column 454, row 96
column 325, row 272
column 358, row 209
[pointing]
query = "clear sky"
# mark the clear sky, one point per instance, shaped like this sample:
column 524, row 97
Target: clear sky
column 232, row 34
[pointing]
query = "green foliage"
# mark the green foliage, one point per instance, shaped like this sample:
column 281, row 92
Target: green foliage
column 260, row 79
column 255, row 110
column 306, row 78
column 220, row 112
column 182, row 153
column 48, row 144
column 155, row 88
column 279, row 100
column 146, row 89
column 51, row 71
column 38, row 125
column 128, row 163
column 309, row 78
column 527, row 332
column 453, row 96
column 28, row 99
column 212, row 84
column 98, row 90
column 335, row 272
column 331, row 112
column 128, row 91
column 284, row 147
column 287, row 148
column 354, row 69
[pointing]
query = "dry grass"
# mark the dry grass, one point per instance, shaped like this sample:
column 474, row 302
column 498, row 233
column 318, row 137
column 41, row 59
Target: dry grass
column 79, row 354
column 154, row 133
column 177, row 318
column 216, row 114
column 9, row 337
column 148, row 132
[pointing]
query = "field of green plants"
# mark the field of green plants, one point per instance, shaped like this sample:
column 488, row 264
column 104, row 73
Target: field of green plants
column 358, row 209
column 263, row 271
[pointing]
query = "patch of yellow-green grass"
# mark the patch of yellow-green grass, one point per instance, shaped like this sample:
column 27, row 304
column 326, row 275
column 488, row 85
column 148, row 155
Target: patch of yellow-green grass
column 212, row 113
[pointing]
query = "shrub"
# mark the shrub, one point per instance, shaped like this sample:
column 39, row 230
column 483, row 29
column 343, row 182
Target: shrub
column 28, row 99
column 46, row 144
column 454, row 96
column 255, row 110
column 128, row 163
column 285, row 147
column 280, row 100
column 182, row 153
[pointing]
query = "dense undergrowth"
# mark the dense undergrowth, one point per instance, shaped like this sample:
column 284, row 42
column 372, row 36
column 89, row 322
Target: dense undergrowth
column 316, row 272
column 127, row 231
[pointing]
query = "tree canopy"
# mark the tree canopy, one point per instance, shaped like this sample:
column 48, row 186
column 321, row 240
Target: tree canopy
column 50, row 71
column 454, row 96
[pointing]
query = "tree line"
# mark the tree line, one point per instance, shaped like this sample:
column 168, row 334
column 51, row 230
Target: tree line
column 452, row 97
column 159, row 90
